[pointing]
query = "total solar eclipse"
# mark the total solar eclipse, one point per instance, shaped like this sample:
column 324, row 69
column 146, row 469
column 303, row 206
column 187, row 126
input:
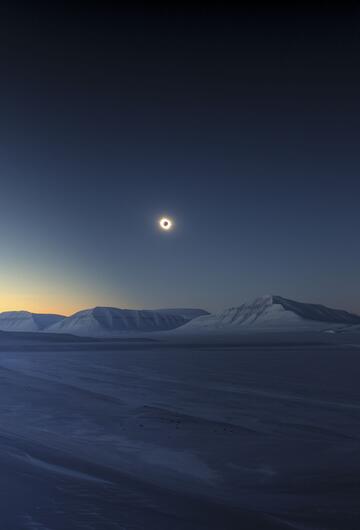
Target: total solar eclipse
column 165, row 223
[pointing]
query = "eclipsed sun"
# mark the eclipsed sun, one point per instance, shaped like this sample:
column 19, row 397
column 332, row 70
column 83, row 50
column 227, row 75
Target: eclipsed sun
column 165, row 223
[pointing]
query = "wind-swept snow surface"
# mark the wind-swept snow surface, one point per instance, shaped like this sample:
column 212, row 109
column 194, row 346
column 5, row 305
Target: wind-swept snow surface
column 271, row 313
column 115, row 436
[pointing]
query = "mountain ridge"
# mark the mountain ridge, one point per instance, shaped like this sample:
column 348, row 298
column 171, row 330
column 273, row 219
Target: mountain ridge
column 272, row 312
column 266, row 313
column 112, row 321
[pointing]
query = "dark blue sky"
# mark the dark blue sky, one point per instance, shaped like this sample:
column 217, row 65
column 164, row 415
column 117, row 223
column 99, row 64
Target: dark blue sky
column 243, row 125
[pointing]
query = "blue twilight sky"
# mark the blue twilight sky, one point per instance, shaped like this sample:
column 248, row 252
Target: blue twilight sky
column 243, row 126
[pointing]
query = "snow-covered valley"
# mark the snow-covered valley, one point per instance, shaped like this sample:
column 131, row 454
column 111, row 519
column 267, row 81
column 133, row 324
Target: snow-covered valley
column 133, row 435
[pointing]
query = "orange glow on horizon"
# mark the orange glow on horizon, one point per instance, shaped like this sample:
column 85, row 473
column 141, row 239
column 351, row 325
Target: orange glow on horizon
column 64, row 309
column 51, row 299
column 59, row 309
column 29, row 288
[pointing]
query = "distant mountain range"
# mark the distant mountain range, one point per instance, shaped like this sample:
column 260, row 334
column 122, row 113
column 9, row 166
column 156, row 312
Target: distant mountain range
column 265, row 314
column 99, row 321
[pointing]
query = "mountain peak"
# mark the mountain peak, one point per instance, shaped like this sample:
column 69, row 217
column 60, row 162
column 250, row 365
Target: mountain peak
column 272, row 313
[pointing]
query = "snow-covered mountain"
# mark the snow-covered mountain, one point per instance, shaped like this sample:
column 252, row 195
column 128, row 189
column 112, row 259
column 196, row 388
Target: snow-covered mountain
column 26, row 321
column 268, row 313
column 110, row 321
column 271, row 313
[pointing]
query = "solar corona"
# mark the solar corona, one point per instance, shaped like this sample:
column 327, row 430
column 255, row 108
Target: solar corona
column 165, row 223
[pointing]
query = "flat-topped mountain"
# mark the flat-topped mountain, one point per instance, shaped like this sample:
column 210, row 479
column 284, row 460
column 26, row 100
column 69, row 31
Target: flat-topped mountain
column 111, row 321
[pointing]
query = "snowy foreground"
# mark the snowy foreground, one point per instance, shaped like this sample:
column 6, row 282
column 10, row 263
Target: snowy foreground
column 133, row 435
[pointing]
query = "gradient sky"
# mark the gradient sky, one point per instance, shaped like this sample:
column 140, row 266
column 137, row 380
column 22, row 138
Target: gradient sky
column 242, row 125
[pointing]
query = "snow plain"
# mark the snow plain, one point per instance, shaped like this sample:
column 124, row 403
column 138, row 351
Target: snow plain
column 140, row 435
